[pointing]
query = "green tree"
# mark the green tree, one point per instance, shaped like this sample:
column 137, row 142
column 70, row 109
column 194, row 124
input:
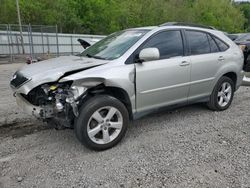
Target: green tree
column 7, row 12
column 106, row 16
column 220, row 14
column 245, row 7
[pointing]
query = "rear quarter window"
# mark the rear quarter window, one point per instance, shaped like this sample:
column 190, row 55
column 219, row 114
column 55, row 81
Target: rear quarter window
column 222, row 45
column 213, row 45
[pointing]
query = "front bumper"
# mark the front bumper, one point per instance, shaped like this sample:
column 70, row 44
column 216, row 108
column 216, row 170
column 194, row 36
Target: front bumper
column 43, row 112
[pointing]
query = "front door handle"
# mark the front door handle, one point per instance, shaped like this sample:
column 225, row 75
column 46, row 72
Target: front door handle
column 221, row 58
column 184, row 63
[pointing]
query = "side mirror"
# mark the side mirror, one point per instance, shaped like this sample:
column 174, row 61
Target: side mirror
column 149, row 54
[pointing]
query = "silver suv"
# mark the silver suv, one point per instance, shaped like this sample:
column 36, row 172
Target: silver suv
column 129, row 74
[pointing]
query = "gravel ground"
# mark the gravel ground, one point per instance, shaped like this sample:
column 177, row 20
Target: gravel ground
column 186, row 147
column 9, row 112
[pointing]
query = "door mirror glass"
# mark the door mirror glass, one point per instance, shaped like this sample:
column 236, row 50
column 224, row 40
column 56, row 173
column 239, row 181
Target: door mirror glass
column 149, row 54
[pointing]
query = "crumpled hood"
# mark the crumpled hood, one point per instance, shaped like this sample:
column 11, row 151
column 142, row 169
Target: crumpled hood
column 59, row 66
column 51, row 70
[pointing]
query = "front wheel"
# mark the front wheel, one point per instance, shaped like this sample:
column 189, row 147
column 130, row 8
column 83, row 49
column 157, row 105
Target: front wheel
column 102, row 122
column 222, row 95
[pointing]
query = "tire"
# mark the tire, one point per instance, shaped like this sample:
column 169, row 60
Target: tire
column 221, row 100
column 94, row 129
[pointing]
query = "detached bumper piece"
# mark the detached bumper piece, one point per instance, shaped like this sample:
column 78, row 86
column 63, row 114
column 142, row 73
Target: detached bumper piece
column 37, row 111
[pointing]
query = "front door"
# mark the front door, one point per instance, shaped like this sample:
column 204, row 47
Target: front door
column 165, row 81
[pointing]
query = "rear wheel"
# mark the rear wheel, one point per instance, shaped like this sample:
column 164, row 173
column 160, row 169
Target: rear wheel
column 222, row 95
column 102, row 122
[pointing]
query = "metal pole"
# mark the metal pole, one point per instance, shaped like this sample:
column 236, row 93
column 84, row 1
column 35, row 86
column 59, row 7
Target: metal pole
column 31, row 40
column 17, row 45
column 57, row 45
column 10, row 51
column 11, row 42
column 42, row 38
column 29, row 35
column 48, row 44
column 20, row 24
column 72, row 50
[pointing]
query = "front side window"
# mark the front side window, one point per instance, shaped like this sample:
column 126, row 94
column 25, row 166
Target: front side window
column 198, row 42
column 169, row 44
column 115, row 45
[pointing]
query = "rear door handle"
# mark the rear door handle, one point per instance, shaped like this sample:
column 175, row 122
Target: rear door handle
column 221, row 58
column 184, row 63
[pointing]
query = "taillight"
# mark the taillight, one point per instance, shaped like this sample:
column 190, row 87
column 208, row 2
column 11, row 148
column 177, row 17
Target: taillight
column 242, row 47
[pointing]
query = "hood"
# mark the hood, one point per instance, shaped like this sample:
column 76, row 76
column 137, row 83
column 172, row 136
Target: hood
column 59, row 66
column 31, row 76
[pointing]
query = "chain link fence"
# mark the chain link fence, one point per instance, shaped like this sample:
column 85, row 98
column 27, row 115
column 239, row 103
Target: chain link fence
column 39, row 42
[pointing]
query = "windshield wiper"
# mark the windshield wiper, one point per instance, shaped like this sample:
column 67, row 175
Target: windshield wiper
column 96, row 57
column 88, row 55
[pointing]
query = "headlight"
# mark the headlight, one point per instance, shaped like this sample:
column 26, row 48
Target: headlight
column 77, row 91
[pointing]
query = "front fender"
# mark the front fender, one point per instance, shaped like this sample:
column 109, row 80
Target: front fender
column 120, row 76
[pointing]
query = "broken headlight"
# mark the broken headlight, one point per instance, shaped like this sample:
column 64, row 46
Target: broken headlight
column 61, row 94
column 77, row 91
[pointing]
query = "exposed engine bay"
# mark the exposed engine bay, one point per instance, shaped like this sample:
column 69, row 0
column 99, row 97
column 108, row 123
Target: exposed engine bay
column 59, row 102
column 40, row 91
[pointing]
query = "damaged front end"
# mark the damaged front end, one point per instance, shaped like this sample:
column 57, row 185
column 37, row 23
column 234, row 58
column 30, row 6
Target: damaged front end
column 53, row 102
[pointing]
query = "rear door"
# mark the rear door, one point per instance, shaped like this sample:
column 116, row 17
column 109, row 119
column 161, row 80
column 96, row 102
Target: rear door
column 165, row 81
column 206, row 58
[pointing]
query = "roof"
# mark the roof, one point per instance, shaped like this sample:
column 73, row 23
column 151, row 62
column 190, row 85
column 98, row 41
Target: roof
column 186, row 24
column 145, row 28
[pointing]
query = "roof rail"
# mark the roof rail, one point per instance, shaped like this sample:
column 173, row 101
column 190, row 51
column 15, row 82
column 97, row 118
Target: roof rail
column 186, row 24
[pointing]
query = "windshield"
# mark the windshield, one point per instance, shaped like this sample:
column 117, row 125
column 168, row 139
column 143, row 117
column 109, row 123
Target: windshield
column 245, row 37
column 115, row 45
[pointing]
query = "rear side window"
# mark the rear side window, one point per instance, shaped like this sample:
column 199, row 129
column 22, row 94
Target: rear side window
column 169, row 44
column 222, row 45
column 198, row 42
column 213, row 46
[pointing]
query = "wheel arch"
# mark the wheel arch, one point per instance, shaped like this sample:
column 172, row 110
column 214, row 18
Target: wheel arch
column 115, row 92
column 232, row 76
column 230, row 70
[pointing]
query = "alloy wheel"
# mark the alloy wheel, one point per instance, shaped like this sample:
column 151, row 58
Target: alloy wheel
column 224, row 94
column 105, row 125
